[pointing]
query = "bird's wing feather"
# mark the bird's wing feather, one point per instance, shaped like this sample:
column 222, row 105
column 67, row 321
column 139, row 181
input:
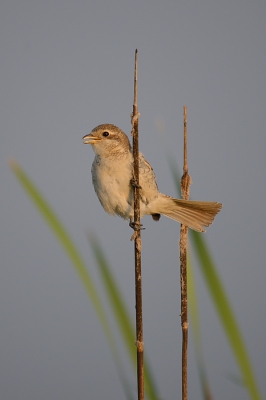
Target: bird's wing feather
column 147, row 181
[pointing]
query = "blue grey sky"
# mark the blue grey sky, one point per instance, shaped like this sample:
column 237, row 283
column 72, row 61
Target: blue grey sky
column 67, row 66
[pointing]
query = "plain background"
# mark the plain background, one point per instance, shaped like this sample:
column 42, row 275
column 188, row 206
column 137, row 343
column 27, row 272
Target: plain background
column 67, row 66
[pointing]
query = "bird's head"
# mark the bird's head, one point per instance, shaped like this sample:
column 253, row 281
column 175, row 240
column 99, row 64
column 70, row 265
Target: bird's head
column 108, row 140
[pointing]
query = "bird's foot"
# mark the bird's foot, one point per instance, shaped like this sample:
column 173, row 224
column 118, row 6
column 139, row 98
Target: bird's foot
column 134, row 183
column 137, row 227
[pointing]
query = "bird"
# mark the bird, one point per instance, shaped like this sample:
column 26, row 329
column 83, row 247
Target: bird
column 112, row 178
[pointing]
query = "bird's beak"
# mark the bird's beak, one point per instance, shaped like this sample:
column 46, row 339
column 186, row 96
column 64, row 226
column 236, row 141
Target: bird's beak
column 90, row 139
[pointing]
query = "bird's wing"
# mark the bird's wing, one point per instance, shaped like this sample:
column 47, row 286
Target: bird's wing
column 147, row 180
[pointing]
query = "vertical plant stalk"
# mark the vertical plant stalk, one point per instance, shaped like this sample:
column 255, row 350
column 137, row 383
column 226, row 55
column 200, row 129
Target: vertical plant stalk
column 185, row 183
column 137, row 238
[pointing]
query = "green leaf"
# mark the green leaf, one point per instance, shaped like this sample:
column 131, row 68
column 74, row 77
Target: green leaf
column 63, row 237
column 225, row 313
column 195, row 324
column 121, row 314
column 220, row 301
column 76, row 260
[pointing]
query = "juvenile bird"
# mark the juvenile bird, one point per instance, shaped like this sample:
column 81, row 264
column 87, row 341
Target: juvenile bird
column 112, row 177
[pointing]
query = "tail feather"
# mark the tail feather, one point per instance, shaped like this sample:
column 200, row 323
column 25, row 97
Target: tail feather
column 194, row 214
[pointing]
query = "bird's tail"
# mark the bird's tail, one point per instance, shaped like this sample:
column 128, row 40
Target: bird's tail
column 194, row 214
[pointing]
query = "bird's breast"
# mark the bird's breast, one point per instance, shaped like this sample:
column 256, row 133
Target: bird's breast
column 111, row 180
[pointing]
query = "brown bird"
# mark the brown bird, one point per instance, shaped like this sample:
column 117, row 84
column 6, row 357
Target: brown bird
column 112, row 176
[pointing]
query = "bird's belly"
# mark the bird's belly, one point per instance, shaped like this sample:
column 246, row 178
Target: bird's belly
column 115, row 194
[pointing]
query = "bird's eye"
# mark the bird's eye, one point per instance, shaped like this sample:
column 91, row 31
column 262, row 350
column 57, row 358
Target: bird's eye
column 105, row 133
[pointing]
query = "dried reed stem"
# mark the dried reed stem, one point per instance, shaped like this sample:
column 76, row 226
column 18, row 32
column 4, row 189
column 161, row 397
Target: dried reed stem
column 185, row 182
column 137, row 239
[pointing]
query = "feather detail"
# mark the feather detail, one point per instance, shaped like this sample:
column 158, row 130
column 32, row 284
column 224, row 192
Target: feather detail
column 194, row 214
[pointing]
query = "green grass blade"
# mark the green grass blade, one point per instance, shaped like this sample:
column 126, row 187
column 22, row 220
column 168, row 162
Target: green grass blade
column 195, row 324
column 220, row 301
column 225, row 313
column 76, row 260
column 63, row 237
column 121, row 314
column 114, row 297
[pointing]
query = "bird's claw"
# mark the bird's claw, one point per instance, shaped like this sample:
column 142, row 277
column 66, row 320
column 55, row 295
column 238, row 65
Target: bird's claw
column 136, row 226
column 134, row 183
